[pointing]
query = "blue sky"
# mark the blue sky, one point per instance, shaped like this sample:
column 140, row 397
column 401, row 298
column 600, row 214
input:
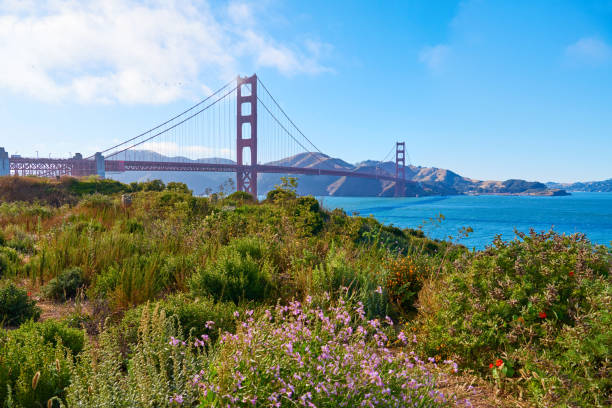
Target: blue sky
column 489, row 89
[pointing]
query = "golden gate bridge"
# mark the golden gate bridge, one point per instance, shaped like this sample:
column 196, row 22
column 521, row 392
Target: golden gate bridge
column 242, row 131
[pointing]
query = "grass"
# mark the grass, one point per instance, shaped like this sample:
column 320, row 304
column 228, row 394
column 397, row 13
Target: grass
column 171, row 268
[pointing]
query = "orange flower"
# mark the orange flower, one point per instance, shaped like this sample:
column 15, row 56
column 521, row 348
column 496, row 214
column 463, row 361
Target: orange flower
column 499, row 362
column 542, row 315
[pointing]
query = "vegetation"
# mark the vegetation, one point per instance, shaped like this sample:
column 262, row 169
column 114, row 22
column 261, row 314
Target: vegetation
column 169, row 299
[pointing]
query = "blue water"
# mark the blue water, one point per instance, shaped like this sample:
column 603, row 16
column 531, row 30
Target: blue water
column 588, row 213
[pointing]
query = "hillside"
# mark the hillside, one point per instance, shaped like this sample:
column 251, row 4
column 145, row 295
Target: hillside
column 178, row 300
column 429, row 180
column 604, row 186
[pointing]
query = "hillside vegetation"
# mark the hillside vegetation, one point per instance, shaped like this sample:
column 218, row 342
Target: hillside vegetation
column 178, row 300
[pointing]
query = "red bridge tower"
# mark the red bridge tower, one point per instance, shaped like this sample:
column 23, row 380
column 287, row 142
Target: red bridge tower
column 400, row 169
column 246, row 135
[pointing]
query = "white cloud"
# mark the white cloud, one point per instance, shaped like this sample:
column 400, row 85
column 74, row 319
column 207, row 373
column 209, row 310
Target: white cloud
column 434, row 57
column 190, row 151
column 590, row 50
column 128, row 51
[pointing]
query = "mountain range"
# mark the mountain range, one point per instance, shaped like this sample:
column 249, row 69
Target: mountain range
column 604, row 186
column 426, row 180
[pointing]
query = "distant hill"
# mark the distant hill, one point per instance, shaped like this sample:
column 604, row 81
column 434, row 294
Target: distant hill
column 428, row 180
column 604, row 186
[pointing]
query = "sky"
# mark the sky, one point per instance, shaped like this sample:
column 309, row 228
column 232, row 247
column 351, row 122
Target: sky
column 488, row 89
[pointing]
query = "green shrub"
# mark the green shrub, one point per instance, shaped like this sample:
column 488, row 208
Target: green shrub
column 65, row 285
column 240, row 272
column 301, row 355
column 16, row 306
column 9, row 261
column 536, row 308
column 158, row 368
column 50, row 331
column 132, row 226
column 193, row 316
column 21, row 241
column 32, row 370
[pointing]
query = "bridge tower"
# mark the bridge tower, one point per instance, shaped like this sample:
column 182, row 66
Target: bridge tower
column 246, row 135
column 5, row 168
column 400, row 169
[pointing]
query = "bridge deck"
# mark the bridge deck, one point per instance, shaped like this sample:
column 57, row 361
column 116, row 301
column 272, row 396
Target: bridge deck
column 53, row 167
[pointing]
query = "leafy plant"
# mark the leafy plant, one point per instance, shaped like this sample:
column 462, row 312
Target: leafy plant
column 535, row 308
column 16, row 306
column 65, row 285
column 304, row 355
column 242, row 271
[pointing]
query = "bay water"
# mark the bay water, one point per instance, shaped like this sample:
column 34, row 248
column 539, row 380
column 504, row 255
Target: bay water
column 488, row 215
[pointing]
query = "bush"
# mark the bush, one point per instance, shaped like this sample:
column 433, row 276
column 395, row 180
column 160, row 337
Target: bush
column 155, row 371
column 301, row 355
column 50, row 331
column 65, row 285
column 32, row 370
column 241, row 272
column 193, row 315
column 16, row 306
column 9, row 261
column 538, row 308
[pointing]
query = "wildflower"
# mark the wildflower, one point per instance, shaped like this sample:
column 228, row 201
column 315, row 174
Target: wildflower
column 491, row 365
column 209, row 324
column 29, row 294
column 499, row 362
column 571, row 273
column 236, row 314
column 542, row 315
column 401, row 337
column 378, row 290
column 177, row 398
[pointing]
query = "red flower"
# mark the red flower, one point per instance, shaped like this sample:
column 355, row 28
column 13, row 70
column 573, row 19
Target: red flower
column 29, row 294
column 499, row 362
column 491, row 365
column 542, row 315
column 571, row 273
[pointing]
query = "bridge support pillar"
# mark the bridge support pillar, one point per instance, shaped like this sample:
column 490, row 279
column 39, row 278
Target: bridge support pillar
column 100, row 166
column 5, row 166
column 246, row 135
column 400, row 169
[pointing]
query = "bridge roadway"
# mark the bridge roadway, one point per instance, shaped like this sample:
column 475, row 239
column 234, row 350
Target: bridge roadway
column 75, row 167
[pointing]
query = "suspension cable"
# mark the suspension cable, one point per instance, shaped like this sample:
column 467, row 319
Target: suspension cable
column 175, row 125
column 166, row 122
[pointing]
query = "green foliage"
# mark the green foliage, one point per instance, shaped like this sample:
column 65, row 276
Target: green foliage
column 302, row 355
column 283, row 192
column 541, row 305
column 240, row 197
column 93, row 185
column 33, row 370
column 242, row 271
column 16, row 307
column 65, row 285
column 193, row 315
column 178, row 187
column 53, row 333
column 156, row 370
column 9, row 262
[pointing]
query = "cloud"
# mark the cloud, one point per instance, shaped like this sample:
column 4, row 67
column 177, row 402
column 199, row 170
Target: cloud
column 128, row 51
column 589, row 50
column 435, row 57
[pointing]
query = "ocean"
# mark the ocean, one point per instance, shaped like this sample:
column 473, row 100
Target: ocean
column 488, row 215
